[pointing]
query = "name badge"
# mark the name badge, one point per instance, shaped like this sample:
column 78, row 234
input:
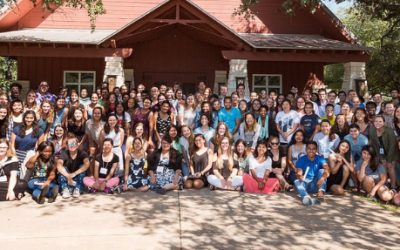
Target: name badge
column 3, row 178
column 160, row 170
column 103, row 170
column 381, row 151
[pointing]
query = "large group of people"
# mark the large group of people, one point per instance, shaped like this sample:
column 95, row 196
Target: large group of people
column 161, row 139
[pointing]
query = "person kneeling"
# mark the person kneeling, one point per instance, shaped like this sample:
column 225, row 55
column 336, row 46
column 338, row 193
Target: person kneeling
column 165, row 172
column 105, row 166
column 72, row 166
column 311, row 172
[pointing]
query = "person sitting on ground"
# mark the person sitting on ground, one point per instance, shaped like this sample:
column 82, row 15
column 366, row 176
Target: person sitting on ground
column 135, row 167
column 72, row 166
column 241, row 153
column 105, row 167
column 341, row 166
column 165, row 165
column 11, row 187
column 312, row 172
column 200, row 164
column 225, row 168
column 372, row 175
column 42, row 183
column 260, row 167
column 296, row 149
column 278, row 160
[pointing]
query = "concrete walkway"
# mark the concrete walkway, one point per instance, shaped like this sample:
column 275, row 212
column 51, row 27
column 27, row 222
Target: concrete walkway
column 197, row 220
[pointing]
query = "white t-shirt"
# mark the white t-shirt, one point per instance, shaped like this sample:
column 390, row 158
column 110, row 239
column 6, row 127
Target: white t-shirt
column 286, row 122
column 260, row 168
column 325, row 145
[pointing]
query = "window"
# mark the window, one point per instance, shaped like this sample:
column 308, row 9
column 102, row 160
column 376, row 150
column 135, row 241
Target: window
column 267, row 82
column 80, row 79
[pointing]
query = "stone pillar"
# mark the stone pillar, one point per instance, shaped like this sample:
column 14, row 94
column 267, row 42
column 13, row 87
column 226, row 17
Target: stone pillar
column 353, row 71
column 238, row 72
column 114, row 68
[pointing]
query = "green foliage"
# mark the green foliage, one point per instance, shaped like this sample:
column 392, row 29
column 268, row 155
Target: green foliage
column 333, row 76
column 8, row 71
column 94, row 8
column 383, row 69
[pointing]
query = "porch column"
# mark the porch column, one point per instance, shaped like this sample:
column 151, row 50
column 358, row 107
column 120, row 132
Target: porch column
column 238, row 73
column 114, row 69
column 353, row 71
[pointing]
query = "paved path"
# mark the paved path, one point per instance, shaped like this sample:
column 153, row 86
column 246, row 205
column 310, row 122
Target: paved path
column 197, row 220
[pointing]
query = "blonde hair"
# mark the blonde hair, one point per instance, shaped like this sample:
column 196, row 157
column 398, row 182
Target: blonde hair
column 50, row 116
column 220, row 162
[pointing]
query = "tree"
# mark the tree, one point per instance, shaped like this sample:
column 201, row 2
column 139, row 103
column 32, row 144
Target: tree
column 383, row 69
column 94, row 7
column 8, row 71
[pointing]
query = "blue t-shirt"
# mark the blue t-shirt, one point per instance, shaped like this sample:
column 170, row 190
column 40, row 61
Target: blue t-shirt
column 309, row 122
column 28, row 142
column 356, row 147
column 314, row 166
column 229, row 117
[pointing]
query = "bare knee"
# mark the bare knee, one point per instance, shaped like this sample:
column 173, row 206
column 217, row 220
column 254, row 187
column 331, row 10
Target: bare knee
column 337, row 190
column 385, row 195
column 198, row 184
column 368, row 183
column 396, row 199
column 188, row 184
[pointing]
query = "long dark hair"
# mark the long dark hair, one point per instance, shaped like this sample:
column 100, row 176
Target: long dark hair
column 35, row 127
column 240, row 141
column 262, row 142
column 347, row 156
column 373, row 164
column 107, row 127
column 293, row 140
column 4, row 123
column 51, row 163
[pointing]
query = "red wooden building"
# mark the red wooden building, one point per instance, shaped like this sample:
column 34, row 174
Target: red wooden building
column 154, row 41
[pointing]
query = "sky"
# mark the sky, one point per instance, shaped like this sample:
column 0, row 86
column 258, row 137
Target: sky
column 335, row 8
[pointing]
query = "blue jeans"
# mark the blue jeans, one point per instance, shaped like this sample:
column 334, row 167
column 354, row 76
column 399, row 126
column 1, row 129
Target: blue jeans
column 309, row 185
column 185, row 169
column 62, row 180
column 37, row 189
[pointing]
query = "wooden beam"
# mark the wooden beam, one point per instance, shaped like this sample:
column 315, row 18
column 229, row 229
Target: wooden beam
column 173, row 21
column 297, row 57
column 62, row 52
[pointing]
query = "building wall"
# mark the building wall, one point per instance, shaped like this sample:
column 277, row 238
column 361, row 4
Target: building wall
column 176, row 56
column 293, row 73
column 38, row 69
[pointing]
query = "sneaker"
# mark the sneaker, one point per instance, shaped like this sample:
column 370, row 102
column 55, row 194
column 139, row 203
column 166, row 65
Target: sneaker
column 307, row 201
column 66, row 194
column 54, row 194
column 42, row 197
column 76, row 193
column 315, row 202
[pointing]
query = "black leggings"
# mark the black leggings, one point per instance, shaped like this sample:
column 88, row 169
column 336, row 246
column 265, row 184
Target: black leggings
column 19, row 188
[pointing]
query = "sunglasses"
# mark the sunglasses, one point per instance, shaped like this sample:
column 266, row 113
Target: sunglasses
column 274, row 143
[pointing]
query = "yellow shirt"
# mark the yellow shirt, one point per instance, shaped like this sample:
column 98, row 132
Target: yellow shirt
column 331, row 121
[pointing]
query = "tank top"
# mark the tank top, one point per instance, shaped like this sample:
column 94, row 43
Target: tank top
column 136, row 168
column 200, row 162
column 296, row 154
column 163, row 125
column 115, row 137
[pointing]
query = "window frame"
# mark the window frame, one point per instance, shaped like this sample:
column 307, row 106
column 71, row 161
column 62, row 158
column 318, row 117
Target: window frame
column 267, row 87
column 79, row 83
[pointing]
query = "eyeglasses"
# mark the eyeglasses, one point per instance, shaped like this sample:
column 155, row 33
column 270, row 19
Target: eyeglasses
column 274, row 143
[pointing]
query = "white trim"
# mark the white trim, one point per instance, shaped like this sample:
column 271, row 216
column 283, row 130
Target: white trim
column 79, row 83
column 267, row 86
